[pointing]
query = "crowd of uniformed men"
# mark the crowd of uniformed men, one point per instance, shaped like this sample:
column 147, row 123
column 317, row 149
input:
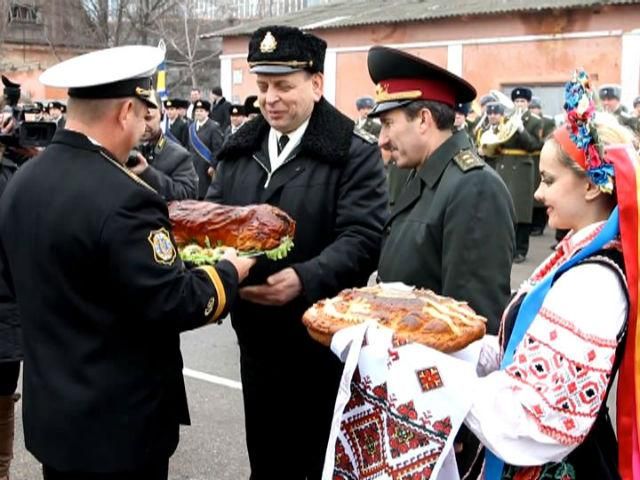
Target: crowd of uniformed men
column 102, row 296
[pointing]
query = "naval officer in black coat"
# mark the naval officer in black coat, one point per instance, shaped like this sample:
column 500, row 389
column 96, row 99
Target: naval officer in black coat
column 307, row 158
column 86, row 248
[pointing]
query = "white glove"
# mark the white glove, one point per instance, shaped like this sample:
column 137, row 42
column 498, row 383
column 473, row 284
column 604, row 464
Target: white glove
column 489, row 360
column 517, row 122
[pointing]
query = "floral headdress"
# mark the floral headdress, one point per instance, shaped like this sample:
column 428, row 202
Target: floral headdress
column 580, row 139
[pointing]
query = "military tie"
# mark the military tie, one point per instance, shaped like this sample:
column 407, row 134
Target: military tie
column 282, row 142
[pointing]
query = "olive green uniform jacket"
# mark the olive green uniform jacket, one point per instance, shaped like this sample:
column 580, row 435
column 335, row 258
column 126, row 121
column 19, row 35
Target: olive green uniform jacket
column 516, row 165
column 452, row 230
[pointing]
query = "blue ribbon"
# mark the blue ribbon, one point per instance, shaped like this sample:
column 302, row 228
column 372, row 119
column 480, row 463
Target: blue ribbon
column 200, row 148
column 530, row 308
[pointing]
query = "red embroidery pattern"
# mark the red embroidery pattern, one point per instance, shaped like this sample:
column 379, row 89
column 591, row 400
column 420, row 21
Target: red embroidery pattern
column 569, row 394
column 567, row 325
column 429, row 379
column 370, row 428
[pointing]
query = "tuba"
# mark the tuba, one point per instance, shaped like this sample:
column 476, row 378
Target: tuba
column 495, row 136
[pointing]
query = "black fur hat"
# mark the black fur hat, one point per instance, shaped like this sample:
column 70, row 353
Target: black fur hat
column 280, row 49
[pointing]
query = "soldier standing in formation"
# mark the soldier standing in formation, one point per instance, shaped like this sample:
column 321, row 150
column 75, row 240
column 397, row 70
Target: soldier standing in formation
column 236, row 119
column 364, row 122
column 610, row 97
column 515, row 163
column 205, row 141
column 177, row 127
column 494, row 112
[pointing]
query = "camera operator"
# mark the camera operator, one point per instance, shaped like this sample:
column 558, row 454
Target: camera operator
column 164, row 164
column 10, row 338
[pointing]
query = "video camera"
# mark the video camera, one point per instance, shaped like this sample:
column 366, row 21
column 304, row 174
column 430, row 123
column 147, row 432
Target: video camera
column 22, row 134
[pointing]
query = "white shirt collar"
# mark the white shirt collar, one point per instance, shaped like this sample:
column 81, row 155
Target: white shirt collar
column 199, row 124
column 294, row 139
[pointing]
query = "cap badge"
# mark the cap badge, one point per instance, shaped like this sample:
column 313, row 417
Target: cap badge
column 142, row 92
column 163, row 250
column 268, row 43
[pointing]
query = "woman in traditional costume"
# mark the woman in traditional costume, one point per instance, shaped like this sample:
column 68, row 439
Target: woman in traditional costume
column 541, row 414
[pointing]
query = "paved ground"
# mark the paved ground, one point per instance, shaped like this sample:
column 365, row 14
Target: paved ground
column 213, row 447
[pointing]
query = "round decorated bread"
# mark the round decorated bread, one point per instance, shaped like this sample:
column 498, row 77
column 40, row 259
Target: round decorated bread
column 415, row 315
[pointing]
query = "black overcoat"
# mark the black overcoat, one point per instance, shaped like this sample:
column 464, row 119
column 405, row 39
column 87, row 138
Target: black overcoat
column 85, row 247
column 171, row 171
column 333, row 185
column 213, row 137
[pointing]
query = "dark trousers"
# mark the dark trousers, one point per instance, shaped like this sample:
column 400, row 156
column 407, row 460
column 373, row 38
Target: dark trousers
column 523, row 230
column 9, row 373
column 159, row 471
column 288, row 405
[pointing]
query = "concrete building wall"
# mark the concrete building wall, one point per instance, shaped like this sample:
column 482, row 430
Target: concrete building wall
column 491, row 51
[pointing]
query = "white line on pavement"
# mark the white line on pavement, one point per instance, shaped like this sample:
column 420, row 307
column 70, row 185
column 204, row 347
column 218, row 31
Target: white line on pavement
column 212, row 378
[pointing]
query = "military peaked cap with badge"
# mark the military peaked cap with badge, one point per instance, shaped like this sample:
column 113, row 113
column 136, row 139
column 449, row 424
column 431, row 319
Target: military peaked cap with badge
column 55, row 104
column 610, row 91
column 487, row 99
column 236, row 110
column 521, row 92
column 535, row 102
column 117, row 72
column 171, row 103
column 204, row 104
column 495, row 108
column 463, row 108
column 279, row 49
column 402, row 78
column 365, row 102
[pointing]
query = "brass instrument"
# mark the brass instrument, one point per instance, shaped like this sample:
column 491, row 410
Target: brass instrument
column 496, row 135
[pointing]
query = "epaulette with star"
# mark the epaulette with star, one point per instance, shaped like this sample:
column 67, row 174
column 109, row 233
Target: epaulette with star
column 366, row 136
column 468, row 160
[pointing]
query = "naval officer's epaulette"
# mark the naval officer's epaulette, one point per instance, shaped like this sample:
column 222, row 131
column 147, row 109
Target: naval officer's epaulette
column 364, row 135
column 468, row 160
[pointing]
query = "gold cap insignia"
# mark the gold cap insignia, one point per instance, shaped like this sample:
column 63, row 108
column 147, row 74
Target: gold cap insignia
column 383, row 95
column 169, row 104
column 268, row 43
column 163, row 250
column 256, row 104
column 141, row 92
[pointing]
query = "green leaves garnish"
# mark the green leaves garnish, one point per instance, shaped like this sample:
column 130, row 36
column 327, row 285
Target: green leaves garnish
column 208, row 256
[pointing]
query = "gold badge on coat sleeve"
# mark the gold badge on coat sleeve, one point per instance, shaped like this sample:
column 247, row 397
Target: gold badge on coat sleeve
column 163, row 250
column 210, row 304
column 268, row 43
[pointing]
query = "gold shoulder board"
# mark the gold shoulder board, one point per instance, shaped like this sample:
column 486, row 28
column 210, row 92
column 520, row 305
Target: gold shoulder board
column 468, row 160
column 366, row 136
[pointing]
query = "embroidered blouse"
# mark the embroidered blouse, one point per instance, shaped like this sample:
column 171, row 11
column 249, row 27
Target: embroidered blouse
column 542, row 406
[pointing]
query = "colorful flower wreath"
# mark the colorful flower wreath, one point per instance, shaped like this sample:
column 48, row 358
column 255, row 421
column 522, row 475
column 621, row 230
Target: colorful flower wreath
column 580, row 108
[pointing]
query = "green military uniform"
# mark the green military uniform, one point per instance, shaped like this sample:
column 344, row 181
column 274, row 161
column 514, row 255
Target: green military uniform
column 444, row 216
column 516, row 165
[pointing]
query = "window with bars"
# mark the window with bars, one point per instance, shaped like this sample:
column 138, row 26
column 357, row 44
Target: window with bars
column 24, row 13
